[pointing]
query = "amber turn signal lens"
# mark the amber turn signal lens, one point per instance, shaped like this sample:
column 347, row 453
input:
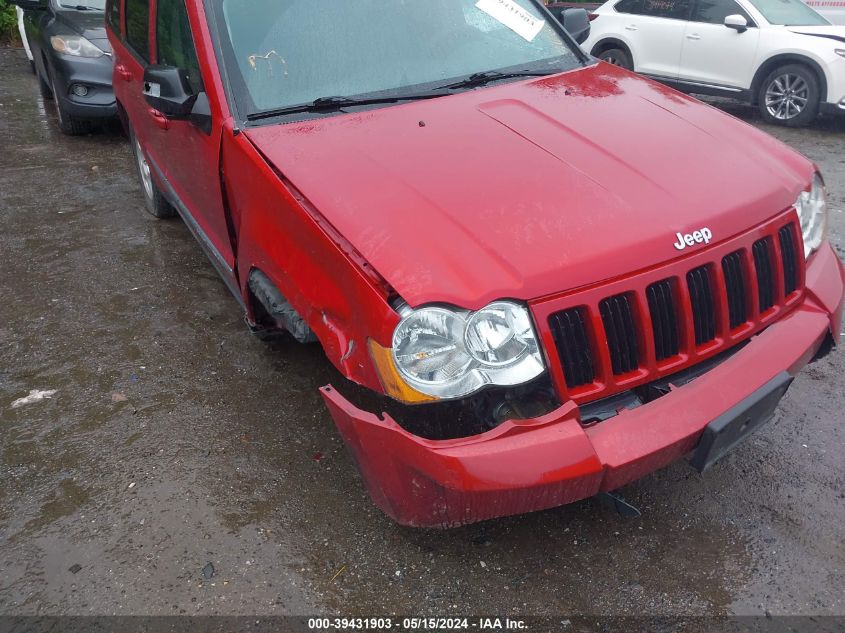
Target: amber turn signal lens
column 392, row 382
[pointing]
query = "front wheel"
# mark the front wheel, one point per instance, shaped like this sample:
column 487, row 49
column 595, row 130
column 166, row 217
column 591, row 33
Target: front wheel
column 617, row 57
column 790, row 96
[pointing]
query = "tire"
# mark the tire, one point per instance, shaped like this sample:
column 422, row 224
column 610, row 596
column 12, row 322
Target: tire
column 617, row 57
column 790, row 96
column 32, row 67
column 154, row 201
column 69, row 124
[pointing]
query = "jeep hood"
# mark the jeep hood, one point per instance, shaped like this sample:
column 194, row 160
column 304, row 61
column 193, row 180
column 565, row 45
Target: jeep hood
column 531, row 188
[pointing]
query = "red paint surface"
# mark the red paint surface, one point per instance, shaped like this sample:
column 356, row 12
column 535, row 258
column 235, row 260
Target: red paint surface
column 532, row 188
column 536, row 464
column 555, row 191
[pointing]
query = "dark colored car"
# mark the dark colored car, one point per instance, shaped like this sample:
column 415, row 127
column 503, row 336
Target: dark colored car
column 72, row 59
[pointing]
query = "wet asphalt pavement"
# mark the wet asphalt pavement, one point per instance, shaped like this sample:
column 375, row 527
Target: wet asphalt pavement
column 184, row 467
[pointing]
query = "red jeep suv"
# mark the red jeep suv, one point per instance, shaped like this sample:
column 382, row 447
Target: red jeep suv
column 543, row 276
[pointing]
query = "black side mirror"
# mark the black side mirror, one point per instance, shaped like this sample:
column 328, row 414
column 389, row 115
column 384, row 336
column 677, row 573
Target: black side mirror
column 577, row 23
column 30, row 5
column 167, row 89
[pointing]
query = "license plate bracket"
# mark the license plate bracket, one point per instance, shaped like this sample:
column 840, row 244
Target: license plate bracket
column 732, row 427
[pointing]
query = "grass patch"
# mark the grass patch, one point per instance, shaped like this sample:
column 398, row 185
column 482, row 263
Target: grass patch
column 9, row 35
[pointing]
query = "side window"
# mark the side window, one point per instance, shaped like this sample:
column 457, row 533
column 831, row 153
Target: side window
column 137, row 26
column 674, row 9
column 629, row 6
column 715, row 11
column 113, row 15
column 175, row 42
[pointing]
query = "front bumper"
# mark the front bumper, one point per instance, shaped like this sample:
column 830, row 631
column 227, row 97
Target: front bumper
column 526, row 465
column 96, row 75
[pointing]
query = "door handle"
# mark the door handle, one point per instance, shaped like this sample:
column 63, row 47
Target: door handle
column 159, row 120
column 693, row 36
column 123, row 72
column 631, row 27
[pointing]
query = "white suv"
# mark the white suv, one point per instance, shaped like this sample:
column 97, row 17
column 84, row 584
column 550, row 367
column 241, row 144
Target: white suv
column 778, row 54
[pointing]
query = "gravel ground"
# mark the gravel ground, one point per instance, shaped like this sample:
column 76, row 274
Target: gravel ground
column 185, row 467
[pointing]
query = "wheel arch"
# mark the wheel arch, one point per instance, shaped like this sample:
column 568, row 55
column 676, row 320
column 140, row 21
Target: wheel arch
column 611, row 42
column 782, row 60
column 266, row 302
column 340, row 297
column 45, row 64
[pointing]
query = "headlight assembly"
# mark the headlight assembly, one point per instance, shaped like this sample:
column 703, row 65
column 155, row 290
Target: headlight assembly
column 75, row 45
column 449, row 353
column 812, row 212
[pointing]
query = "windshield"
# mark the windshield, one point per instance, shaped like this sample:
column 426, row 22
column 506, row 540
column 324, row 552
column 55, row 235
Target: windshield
column 788, row 13
column 86, row 5
column 287, row 52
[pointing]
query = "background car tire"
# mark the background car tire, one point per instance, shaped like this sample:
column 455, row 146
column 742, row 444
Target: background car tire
column 790, row 96
column 154, row 201
column 68, row 124
column 617, row 57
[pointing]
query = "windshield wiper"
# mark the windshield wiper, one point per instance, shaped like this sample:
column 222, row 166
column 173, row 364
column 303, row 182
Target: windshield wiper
column 483, row 78
column 335, row 103
column 331, row 104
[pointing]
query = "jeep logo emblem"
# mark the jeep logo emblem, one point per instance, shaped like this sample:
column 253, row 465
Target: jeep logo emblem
column 691, row 239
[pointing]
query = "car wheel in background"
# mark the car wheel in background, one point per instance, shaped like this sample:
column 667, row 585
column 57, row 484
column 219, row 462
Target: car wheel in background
column 154, row 201
column 617, row 57
column 69, row 124
column 790, row 96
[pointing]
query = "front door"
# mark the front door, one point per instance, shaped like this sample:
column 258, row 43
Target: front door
column 715, row 54
column 187, row 157
column 655, row 29
column 131, row 57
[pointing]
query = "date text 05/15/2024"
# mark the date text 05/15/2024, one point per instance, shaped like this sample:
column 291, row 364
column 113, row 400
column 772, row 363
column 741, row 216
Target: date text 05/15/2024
column 417, row 624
